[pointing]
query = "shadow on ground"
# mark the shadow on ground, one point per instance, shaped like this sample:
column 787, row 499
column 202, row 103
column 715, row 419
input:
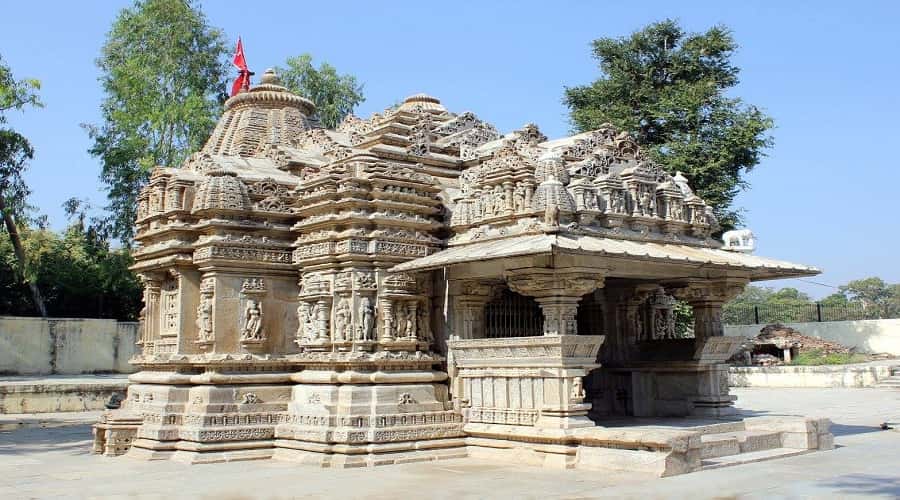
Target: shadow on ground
column 865, row 484
column 849, row 430
column 72, row 440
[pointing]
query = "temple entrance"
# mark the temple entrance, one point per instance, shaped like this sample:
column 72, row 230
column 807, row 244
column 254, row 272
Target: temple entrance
column 512, row 315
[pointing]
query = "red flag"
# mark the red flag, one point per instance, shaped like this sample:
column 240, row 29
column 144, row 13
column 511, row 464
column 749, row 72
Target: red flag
column 243, row 80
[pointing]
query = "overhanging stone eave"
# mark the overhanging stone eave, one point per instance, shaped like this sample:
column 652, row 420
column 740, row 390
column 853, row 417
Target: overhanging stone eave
column 487, row 251
column 558, row 246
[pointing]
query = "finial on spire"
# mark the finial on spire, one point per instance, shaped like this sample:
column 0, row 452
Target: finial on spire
column 242, row 83
column 270, row 77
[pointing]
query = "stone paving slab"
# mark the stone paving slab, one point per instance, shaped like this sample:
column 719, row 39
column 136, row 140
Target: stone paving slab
column 56, row 463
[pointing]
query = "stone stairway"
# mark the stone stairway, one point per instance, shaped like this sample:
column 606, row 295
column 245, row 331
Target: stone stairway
column 736, row 443
column 893, row 381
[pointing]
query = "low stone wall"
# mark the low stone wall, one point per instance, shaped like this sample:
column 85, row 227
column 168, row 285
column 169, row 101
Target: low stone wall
column 873, row 335
column 856, row 375
column 37, row 346
column 59, row 394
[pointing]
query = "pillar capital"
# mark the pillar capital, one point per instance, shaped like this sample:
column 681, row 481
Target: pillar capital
column 698, row 292
column 557, row 292
column 541, row 282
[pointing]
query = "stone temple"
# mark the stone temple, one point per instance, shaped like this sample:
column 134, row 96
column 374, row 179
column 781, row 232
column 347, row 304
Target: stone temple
column 418, row 285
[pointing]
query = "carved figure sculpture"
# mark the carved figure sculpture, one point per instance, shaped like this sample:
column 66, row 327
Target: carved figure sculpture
column 424, row 324
column 739, row 240
column 367, row 313
column 253, row 321
column 519, row 198
column 303, row 315
column 645, row 204
column 204, row 318
column 617, row 202
column 342, row 320
column 551, row 214
column 410, row 326
column 578, row 393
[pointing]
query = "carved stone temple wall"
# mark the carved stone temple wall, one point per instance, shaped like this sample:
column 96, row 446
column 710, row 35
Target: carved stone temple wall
column 319, row 295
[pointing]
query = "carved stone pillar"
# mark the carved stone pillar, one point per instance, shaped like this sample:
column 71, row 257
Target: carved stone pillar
column 558, row 293
column 469, row 310
column 529, row 193
column 625, row 325
column 387, row 316
column 706, row 299
column 559, row 314
column 151, row 316
column 711, row 395
column 323, row 312
column 412, row 315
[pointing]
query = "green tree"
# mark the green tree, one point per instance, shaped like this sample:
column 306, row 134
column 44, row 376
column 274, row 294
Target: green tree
column 78, row 273
column 835, row 300
column 879, row 299
column 669, row 89
column 335, row 95
column 164, row 78
column 15, row 152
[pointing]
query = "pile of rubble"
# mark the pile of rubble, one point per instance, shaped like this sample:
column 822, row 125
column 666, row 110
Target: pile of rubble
column 777, row 344
column 785, row 337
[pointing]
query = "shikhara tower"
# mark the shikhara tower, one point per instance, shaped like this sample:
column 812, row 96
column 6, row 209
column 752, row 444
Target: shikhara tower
column 416, row 285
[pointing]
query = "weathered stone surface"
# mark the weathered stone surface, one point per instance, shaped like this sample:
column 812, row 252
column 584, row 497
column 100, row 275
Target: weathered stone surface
column 297, row 305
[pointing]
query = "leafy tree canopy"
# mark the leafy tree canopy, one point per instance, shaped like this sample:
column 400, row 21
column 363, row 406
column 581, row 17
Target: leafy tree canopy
column 335, row 95
column 78, row 273
column 164, row 78
column 15, row 152
column 15, row 149
column 880, row 298
column 669, row 88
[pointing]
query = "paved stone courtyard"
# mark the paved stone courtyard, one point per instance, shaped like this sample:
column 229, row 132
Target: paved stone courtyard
column 56, row 463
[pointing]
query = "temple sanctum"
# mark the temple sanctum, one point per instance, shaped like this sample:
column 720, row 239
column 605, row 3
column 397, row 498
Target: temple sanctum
column 418, row 285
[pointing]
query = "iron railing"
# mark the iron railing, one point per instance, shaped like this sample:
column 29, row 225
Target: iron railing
column 512, row 315
column 758, row 314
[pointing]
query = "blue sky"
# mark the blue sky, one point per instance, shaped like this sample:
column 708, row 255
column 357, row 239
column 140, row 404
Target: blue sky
column 827, row 72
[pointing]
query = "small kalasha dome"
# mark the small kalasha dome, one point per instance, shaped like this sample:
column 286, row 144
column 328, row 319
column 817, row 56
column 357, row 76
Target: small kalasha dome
column 422, row 102
column 417, row 285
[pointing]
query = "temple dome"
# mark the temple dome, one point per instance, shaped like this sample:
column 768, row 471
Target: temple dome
column 553, row 192
column 221, row 191
column 268, row 113
column 424, row 102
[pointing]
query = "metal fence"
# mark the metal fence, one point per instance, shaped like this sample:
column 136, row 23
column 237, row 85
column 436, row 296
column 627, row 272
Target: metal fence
column 798, row 313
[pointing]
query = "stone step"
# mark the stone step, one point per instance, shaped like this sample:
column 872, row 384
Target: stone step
column 733, row 443
column 746, row 458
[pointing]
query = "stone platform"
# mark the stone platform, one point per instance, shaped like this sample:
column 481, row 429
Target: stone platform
column 58, row 393
column 656, row 446
column 42, row 463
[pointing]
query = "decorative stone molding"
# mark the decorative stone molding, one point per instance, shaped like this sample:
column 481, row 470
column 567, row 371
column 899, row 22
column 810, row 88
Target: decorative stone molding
column 532, row 381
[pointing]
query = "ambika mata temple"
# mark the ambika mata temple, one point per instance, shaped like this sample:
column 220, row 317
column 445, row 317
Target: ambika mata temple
column 418, row 285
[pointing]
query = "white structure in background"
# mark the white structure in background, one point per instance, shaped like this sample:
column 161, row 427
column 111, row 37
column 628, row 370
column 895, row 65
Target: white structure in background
column 739, row 240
